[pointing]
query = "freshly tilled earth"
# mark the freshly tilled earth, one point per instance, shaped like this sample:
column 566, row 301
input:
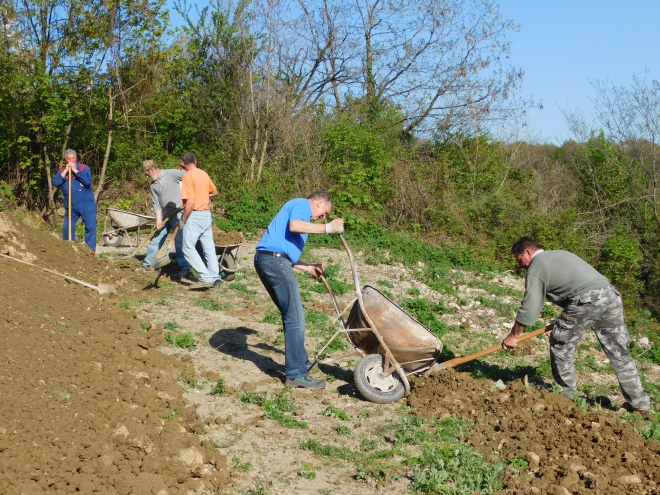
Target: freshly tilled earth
column 91, row 397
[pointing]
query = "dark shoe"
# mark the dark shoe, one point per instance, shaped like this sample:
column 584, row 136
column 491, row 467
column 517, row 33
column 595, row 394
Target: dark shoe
column 217, row 284
column 305, row 381
column 183, row 274
column 200, row 286
column 627, row 407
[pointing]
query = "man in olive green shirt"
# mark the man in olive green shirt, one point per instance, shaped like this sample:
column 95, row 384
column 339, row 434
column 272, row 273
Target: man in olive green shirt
column 588, row 300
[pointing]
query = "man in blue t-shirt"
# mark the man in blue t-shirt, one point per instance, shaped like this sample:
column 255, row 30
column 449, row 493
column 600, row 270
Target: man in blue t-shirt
column 278, row 253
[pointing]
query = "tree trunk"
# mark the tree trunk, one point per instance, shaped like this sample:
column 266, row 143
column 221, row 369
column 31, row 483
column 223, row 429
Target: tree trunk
column 108, row 145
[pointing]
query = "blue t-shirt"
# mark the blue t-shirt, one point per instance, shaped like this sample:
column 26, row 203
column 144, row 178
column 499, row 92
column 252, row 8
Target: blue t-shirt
column 279, row 238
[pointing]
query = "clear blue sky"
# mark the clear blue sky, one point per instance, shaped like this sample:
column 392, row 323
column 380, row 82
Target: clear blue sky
column 562, row 44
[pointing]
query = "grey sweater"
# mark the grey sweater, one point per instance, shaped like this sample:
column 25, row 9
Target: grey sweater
column 166, row 192
column 559, row 276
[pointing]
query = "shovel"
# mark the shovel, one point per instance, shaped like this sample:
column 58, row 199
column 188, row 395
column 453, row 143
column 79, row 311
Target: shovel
column 465, row 359
column 162, row 257
column 101, row 288
column 149, row 236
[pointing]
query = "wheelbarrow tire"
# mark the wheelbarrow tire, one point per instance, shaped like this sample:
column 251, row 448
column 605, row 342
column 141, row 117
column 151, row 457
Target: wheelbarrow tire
column 228, row 263
column 374, row 388
column 113, row 237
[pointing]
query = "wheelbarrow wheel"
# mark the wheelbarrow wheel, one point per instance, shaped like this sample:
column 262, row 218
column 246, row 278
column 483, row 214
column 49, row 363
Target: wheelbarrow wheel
column 228, row 263
column 113, row 237
column 372, row 386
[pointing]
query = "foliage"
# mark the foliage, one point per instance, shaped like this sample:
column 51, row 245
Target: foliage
column 184, row 340
column 276, row 408
column 219, row 387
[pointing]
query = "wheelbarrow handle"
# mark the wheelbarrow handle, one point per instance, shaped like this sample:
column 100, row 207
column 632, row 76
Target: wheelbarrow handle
column 465, row 359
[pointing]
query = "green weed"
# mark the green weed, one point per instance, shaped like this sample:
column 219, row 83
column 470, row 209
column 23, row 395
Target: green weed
column 162, row 302
column 219, row 387
column 241, row 465
column 171, row 325
column 307, row 472
column 273, row 316
column 344, row 430
column 425, row 312
column 125, row 305
column 276, row 408
column 386, row 283
column 171, row 415
column 237, row 286
column 184, row 340
column 334, row 412
column 209, row 304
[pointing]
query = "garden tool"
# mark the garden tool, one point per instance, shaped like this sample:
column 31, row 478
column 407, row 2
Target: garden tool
column 162, row 257
column 101, row 288
column 149, row 236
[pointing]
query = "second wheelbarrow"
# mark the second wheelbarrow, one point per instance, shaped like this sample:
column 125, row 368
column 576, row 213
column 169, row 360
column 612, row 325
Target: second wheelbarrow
column 393, row 344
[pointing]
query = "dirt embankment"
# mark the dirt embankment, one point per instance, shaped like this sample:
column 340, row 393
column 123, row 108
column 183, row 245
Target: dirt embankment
column 568, row 450
column 87, row 403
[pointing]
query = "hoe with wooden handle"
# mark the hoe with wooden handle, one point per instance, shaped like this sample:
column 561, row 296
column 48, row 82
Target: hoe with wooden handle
column 461, row 360
column 101, row 288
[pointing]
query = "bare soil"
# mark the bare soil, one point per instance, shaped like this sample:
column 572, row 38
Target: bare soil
column 93, row 400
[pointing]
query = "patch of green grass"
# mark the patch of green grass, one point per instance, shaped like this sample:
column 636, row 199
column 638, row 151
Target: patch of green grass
column 191, row 382
column 273, row 316
column 386, row 283
column 171, row 415
column 501, row 308
column 241, row 465
column 334, row 412
column 125, row 305
column 279, row 340
column 162, row 302
column 306, row 296
column 276, row 408
column 237, row 286
column 543, row 369
column 414, row 292
column 171, row 325
column 209, row 304
column 184, row 340
column 580, row 402
column 344, row 430
column 144, row 325
column 219, row 387
column 307, row 472
column 425, row 313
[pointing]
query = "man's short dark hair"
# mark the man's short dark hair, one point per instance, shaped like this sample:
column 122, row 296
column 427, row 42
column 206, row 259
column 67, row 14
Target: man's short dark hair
column 188, row 158
column 524, row 243
column 320, row 195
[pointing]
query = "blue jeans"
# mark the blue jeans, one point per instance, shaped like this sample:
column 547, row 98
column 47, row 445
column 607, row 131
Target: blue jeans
column 88, row 216
column 198, row 228
column 158, row 240
column 277, row 276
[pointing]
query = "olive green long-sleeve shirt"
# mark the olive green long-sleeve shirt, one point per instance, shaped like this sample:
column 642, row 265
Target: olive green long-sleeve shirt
column 558, row 276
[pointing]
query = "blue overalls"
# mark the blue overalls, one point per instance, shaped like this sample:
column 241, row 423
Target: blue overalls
column 83, row 203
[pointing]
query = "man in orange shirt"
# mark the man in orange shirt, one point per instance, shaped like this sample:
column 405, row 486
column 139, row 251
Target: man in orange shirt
column 196, row 189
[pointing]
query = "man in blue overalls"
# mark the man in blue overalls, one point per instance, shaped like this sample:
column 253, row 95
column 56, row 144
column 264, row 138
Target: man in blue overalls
column 83, row 203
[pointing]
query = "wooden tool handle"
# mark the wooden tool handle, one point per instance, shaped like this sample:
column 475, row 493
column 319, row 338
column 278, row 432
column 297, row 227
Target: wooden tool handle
column 461, row 360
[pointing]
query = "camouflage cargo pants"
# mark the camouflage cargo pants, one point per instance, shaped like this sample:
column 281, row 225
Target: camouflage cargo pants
column 602, row 310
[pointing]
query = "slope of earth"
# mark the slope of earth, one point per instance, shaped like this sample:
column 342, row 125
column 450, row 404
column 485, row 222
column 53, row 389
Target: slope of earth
column 332, row 441
column 88, row 404
column 566, row 448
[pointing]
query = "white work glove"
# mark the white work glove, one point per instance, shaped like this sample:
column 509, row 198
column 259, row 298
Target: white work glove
column 182, row 223
column 335, row 227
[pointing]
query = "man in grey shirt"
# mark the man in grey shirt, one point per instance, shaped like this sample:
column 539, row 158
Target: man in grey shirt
column 166, row 196
column 588, row 300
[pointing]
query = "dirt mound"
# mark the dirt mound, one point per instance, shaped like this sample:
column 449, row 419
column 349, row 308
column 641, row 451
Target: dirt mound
column 565, row 447
column 227, row 238
column 87, row 403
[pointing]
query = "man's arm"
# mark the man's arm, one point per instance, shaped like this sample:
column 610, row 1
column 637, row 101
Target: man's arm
column 213, row 193
column 188, row 205
column 511, row 340
column 302, row 227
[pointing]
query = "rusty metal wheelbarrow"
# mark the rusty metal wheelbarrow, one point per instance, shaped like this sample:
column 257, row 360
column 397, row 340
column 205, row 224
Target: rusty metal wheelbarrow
column 393, row 344
column 121, row 223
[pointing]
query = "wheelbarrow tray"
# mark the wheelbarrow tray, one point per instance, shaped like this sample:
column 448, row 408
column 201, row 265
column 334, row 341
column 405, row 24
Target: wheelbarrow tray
column 412, row 345
column 127, row 220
